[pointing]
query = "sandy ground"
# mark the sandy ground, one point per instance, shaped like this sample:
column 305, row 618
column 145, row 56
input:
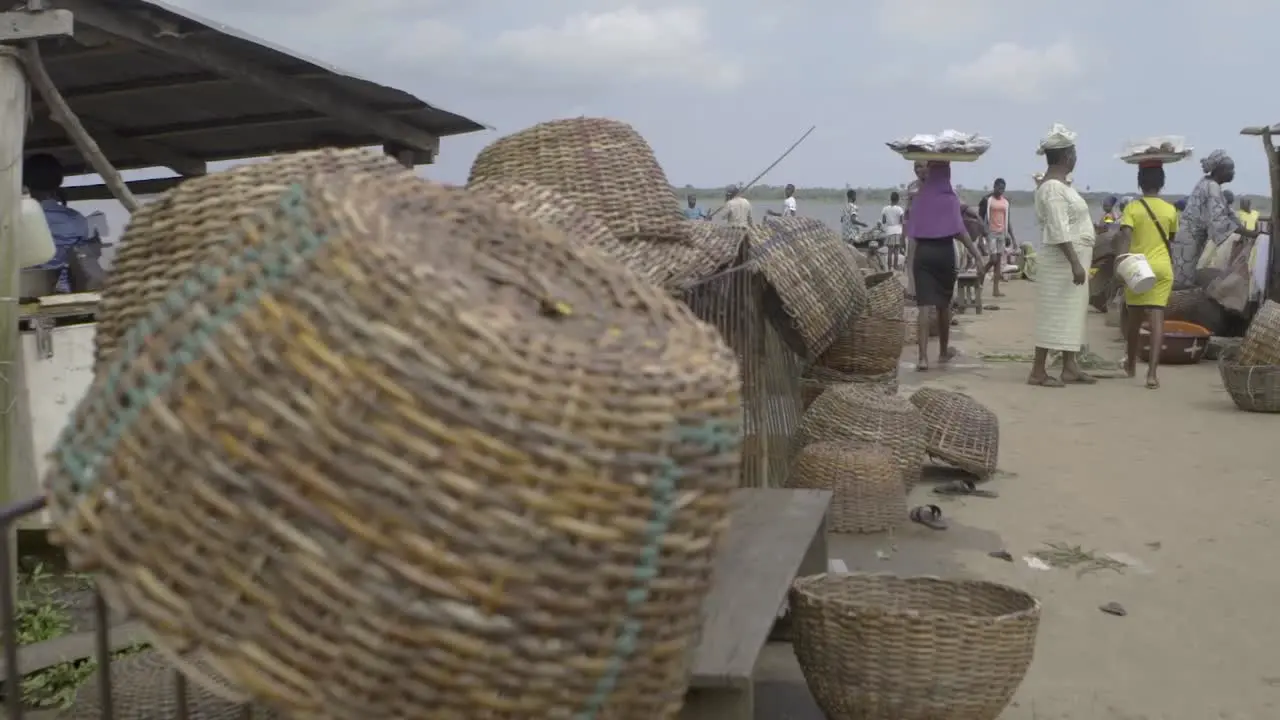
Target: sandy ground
column 1176, row 482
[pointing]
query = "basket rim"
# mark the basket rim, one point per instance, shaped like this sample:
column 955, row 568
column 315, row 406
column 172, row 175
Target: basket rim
column 804, row 585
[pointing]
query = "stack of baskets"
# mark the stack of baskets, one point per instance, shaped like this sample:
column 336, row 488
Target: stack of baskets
column 1251, row 371
column 850, row 412
column 959, row 430
column 880, row 647
column 315, row 440
column 867, row 350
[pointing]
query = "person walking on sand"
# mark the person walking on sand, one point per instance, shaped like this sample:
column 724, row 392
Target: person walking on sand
column 994, row 211
column 1062, row 291
column 891, row 218
column 788, row 203
column 935, row 223
column 737, row 209
column 1147, row 227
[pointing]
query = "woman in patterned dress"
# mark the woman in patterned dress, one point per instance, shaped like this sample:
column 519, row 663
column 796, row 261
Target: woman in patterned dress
column 1206, row 218
column 1062, row 292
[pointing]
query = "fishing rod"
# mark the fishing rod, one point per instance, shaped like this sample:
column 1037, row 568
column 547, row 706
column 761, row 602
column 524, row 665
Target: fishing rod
column 764, row 172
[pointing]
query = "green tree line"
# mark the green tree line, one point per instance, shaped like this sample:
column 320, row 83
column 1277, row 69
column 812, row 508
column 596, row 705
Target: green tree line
column 880, row 196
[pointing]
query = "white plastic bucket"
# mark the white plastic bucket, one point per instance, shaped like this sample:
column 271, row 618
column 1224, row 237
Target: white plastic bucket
column 1136, row 272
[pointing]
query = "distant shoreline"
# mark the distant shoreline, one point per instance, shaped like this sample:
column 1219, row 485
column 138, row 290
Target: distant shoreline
column 880, row 196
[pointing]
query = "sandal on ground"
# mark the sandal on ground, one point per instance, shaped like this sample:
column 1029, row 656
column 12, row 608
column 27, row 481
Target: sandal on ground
column 965, row 487
column 929, row 516
column 1046, row 381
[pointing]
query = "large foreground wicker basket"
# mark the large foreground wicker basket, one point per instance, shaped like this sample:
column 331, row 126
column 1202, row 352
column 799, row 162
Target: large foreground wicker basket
column 813, row 275
column 879, row 647
column 398, row 451
column 603, row 166
column 866, row 487
column 152, row 255
column 959, row 430
column 1255, row 388
column 853, row 412
column 1261, row 345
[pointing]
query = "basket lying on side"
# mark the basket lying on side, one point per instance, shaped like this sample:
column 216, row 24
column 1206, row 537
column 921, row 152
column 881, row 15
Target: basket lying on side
column 959, row 430
column 814, row 277
column 402, row 416
column 1255, row 388
column 145, row 686
column 866, row 487
column 603, row 166
column 868, row 345
column 852, row 412
column 880, row 647
column 152, row 256
column 1261, row 345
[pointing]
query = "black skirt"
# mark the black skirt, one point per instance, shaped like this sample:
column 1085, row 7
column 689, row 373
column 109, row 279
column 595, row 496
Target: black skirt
column 933, row 269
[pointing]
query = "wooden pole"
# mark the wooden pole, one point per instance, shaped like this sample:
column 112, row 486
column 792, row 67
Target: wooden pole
column 14, row 102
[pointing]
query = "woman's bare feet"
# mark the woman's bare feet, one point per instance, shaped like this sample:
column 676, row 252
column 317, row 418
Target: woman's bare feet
column 922, row 363
column 1044, row 380
column 1153, row 383
column 946, row 356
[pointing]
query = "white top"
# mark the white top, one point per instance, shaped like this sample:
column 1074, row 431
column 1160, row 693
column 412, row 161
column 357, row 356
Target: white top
column 789, row 206
column 737, row 212
column 891, row 218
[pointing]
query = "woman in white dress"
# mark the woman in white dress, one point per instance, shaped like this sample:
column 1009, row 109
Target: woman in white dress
column 1066, row 250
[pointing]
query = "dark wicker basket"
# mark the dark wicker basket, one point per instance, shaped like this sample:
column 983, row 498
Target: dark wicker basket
column 1255, row 388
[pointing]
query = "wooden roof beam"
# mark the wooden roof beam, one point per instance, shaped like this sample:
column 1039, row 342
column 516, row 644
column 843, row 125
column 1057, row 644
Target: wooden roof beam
column 335, row 105
column 1261, row 130
column 145, row 149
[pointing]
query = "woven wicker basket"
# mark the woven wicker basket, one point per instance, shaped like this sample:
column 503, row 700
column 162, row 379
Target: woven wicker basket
column 868, row 346
column 1194, row 306
column 145, row 686
column 959, row 430
column 815, row 278
column 817, row 379
column 1261, row 345
column 885, row 296
column 152, row 255
column 866, row 487
column 1255, row 388
column 604, row 166
column 403, row 452
column 910, row 320
column 547, row 205
column 879, row 647
column 853, row 412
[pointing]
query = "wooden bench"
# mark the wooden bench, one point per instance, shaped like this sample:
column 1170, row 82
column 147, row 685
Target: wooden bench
column 968, row 292
column 774, row 537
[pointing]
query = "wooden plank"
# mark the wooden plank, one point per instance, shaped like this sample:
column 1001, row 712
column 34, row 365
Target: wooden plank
column 74, row 646
column 769, row 539
column 27, row 25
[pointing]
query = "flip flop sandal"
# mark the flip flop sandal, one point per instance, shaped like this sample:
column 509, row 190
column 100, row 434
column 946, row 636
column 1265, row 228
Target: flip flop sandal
column 929, row 516
column 966, row 488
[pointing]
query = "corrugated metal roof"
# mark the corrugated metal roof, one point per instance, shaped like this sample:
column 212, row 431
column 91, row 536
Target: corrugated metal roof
column 134, row 98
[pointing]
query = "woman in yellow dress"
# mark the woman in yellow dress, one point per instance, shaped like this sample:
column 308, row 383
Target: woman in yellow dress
column 1147, row 227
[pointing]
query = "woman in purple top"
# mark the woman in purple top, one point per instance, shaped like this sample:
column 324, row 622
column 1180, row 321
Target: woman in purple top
column 934, row 224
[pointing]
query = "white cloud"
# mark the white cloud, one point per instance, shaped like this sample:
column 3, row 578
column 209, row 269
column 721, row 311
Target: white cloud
column 664, row 45
column 1013, row 72
column 917, row 20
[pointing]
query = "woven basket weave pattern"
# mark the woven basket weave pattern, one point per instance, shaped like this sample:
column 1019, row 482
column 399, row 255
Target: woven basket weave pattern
column 868, row 346
column 402, row 452
column 886, row 297
column 879, row 647
column 852, row 412
column 1261, row 344
column 815, row 277
column 603, row 166
column 145, row 686
column 866, row 488
column 959, row 430
column 151, row 255
column 1254, row 388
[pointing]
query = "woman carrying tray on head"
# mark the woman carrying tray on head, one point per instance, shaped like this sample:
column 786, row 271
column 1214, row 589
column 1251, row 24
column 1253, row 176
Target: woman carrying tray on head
column 1062, row 290
column 1147, row 226
column 933, row 226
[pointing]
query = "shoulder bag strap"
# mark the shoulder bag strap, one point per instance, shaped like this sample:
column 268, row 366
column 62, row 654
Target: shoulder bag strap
column 1163, row 234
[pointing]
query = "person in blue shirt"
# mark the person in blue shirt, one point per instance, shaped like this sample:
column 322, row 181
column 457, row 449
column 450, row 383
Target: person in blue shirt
column 693, row 212
column 42, row 175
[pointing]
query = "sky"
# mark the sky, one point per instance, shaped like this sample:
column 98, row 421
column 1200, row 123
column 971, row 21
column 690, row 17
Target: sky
column 720, row 88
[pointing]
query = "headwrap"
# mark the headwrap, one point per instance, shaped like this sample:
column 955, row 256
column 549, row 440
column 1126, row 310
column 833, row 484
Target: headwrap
column 1057, row 138
column 935, row 210
column 1215, row 160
